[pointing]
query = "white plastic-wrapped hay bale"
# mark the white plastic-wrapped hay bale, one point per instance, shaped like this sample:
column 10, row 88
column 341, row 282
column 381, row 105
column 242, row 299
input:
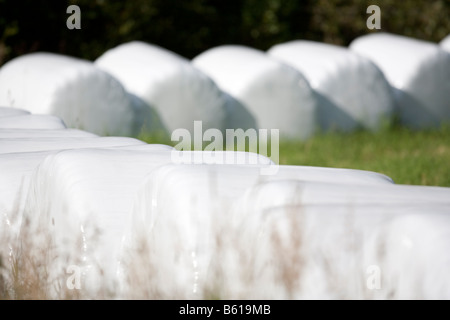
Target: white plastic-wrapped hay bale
column 168, row 82
column 396, row 235
column 15, row 170
column 278, row 96
column 32, row 121
column 215, row 204
column 364, row 252
column 445, row 43
column 357, row 90
column 13, row 145
column 178, row 234
column 86, row 195
column 42, row 133
column 20, row 156
column 418, row 70
column 82, row 95
column 7, row 112
column 16, row 167
column 235, row 179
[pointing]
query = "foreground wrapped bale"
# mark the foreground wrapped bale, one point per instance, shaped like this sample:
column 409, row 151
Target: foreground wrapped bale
column 358, row 93
column 373, row 251
column 81, row 199
column 20, row 156
column 82, row 95
column 173, row 236
column 276, row 95
column 180, row 93
column 418, row 70
column 211, row 241
column 32, row 121
column 340, row 245
column 16, row 169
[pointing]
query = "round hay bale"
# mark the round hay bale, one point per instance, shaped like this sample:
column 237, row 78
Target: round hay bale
column 277, row 96
column 359, row 96
column 418, row 70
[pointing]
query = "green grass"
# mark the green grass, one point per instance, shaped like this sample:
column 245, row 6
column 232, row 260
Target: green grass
column 409, row 157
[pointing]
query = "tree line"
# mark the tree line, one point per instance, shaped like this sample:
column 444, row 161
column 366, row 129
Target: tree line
column 191, row 27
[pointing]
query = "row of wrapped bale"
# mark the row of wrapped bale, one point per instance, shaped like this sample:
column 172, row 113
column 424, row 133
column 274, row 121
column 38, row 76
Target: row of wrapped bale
column 299, row 87
column 168, row 83
column 276, row 96
column 75, row 91
column 301, row 233
column 354, row 91
column 141, row 224
column 75, row 190
column 26, row 140
column 180, row 236
column 90, row 195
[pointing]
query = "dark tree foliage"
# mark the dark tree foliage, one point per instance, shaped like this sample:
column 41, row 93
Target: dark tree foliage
column 190, row 27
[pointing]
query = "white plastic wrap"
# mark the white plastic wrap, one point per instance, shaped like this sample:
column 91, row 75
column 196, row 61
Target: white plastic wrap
column 277, row 96
column 418, row 70
column 178, row 233
column 215, row 221
column 82, row 95
column 168, row 82
column 391, row 229
column 379, row 251
column 16, row 169
column 357, row 90
column 86, row 196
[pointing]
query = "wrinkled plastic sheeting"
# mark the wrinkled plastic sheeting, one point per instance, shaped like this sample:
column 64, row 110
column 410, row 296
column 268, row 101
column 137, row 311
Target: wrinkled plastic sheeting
column 366, row 251
column 233, row 180
column 418, row 70
column 178, row 92
column 20, row 156
column 179, row 233
column 85, row 196
column 32, row 121
column 16, row 169
column 354, row 91
column 277, row 96
column 219, row 210
column 82, row 95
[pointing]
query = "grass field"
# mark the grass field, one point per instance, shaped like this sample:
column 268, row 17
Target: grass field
column 407, row 156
